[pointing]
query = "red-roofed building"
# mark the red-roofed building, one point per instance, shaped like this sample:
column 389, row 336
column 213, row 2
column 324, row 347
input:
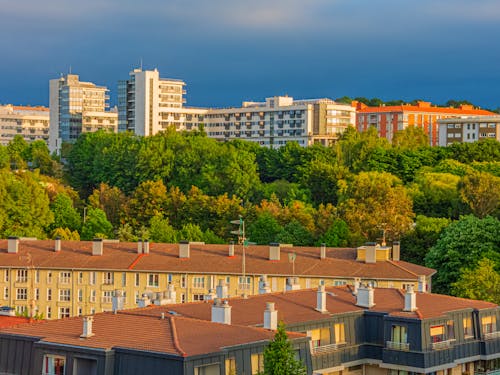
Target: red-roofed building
column 32, row 123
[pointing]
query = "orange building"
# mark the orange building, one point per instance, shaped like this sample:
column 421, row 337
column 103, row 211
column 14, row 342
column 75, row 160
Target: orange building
column 390, row 119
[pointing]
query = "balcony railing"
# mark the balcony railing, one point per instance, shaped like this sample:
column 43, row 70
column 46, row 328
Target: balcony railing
column 488, row 372
column 492, row 335
column 398, row 345
column 443, row 344
column 324, row 349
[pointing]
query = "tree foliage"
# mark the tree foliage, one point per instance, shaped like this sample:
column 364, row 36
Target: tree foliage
column 481, row 282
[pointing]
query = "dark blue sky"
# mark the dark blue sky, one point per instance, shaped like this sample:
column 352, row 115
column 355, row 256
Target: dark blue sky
column 233, row 50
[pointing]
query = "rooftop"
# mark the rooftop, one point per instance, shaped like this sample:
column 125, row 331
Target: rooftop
column 424, row 107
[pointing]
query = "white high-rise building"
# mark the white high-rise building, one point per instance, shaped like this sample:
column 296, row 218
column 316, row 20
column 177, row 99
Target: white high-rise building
column 77, row 107
column 32, row 123
column 148, row 104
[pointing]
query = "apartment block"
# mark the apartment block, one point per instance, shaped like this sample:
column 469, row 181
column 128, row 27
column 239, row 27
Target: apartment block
column 148, row 104
column 32, row 123
column 468, row 129
column 60, row 279
column 77, row 107
column 344, row 330
column 390, row 119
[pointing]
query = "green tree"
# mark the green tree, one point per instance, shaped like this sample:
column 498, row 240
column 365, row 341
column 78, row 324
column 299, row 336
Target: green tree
column 411, row 138
column 65, row 215
column 338, row 235
column 295, row 233
column 65, row 234
column 191, row 232
column 481, row 191
column 279, row 357
column 4, row 157
column 463, row 242
column 111, row 200
column 18, row 150
column 147, row 201
column 96, row 225
column 481, row 283
column 264, row 229
column 160, row 230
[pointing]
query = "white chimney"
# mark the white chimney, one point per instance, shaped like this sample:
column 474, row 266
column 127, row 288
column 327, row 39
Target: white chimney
column 97, row 246
column 87, row 327
column 321, row 299
column 144, row 301
column 12, row 245
column 221, row 312
column 365, row 297
column 422, row 284
column 139, row 246
column 396, row 250
column 145, row 247
column 264, row 287
column 270, row 317
column 231, row 249
column 410, row 299
column 184, row 249
column 274, row 251
column 322, row 254
column 370, row 252
column 221, row 290
column 117, row 301
column 171, row 294
column 357, row 283
column 292, row 283
column 57, row 244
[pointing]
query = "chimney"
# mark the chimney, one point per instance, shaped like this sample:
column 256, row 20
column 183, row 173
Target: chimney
column 274, row 251
column 365, row 297
column 221, row 290
column 323, row 251
column 211, row 296
column 370, row 252
column 87, row 327
column 13, row 245
column 321, row 299
column 264, row 287
column 184, row 249
column 292, row 283
column 221, row 312
column 396, row 250
column 160, row 299
column 422, row 284
column 139, row 246
column 410, row 299
column 171, row 294
column 144, row 301
column 145, row 247
column 97, row 246
column 118, row 301
column 357, row 283
column 57, row 244
column 231, row 249
column 270, row 317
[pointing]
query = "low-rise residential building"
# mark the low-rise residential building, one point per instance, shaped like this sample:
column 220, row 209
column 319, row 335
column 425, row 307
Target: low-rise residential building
column 468, row 129
column 31, row 123
column 345, row 330
column 69, row 278
column 390, row 119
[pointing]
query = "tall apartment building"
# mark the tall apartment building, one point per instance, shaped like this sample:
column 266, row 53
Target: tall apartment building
column 77, row 107
column 468, row 129
column 390, row 119
column 148, row 104
column 32, row 123
column 69, row 278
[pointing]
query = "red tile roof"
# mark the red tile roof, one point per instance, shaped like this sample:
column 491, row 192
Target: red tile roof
column 11, row 321
column 427, row 109
column 206, row 259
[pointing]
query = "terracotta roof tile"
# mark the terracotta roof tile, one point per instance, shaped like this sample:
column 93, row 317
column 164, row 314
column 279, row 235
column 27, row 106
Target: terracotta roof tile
column 437, row 110
column 11, row 321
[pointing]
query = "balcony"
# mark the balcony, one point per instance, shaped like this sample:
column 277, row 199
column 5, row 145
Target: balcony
column 447, row 344
column 492, row 335
column 398, row 345
column 325, row 349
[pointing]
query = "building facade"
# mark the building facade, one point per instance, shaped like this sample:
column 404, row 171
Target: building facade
column 390, row 119
column 32, row 123
column 77, row 107
column 468, row 129
column 70, row 278
column 148, row 104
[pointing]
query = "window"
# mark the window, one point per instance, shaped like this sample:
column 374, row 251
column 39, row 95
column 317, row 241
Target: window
column 207, row 369
column 198, row 297
column 6, row 293
column 124, row 279
column 22, row 294
column 64, row 295
column 169, row 278
column 108, row 278
column 339, row 333
column 450, row 330
column 80, row 295
column 437, row 333
column 468, row 332
column 37, row 294
column 53, row 365
column 49, row 312
column 153, row 280
column 22, row 276
column 230, row 366
column 6, row 276
column 257, row 360
column 92, row 296
column 64, row 277
column 49, row 277
column 399, row 338
column 37, row 276
column 198, row 282
column 107, row 296
column 244, row 282
column 92, row 278
column 137, row 279
column 489, row 324
column 80, row 311
column 49, row 294
column 320, row 337
column 183, row 298
column 80, row 277
column 64, row 312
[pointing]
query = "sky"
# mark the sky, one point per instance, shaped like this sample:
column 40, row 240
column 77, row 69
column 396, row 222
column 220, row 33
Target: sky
column 229, row 51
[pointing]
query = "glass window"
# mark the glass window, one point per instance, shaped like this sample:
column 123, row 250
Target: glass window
column 489, row 323
column 22, row 294
column 63, row 313
column 64, row 295
column 153, row 280
column 49, row 277
column 124, row 279
column 437, row 333
column 450, row 330
column 92, row 278
column 22, row 276
column 399, row 334
column 468, row 332
column 257, row 363
column 53, row 365
column 80, row 277
column 6, row 293
column 207, row 370
column 339, row 333
column 137, row 279
column 231, row 366
column 198, row 282
column 108, row 278
column 64, row 277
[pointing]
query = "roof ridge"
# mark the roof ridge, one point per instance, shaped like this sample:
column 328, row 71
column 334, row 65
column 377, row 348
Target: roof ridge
column 175, row 338
column 136, row 260
column 401, row 267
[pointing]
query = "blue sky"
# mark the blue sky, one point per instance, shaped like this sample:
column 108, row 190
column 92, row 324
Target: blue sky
column 231, row 50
